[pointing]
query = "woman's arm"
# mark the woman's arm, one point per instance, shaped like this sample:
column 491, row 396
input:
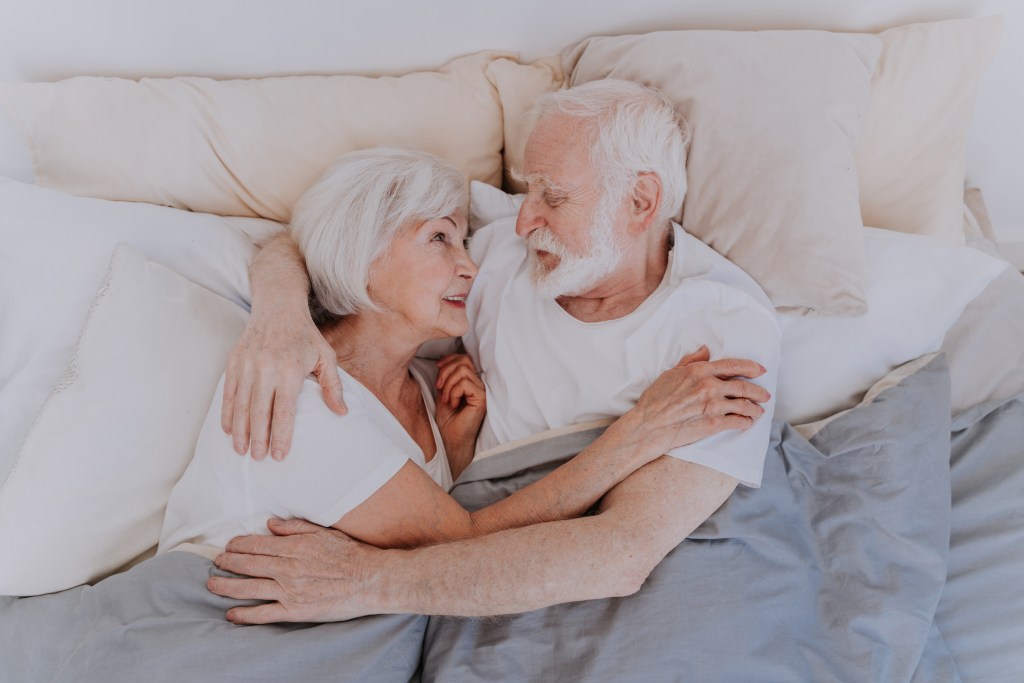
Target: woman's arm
column 692, row 401
column 279, row 347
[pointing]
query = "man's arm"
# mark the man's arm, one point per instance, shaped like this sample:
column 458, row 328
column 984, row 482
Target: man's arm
column 279, row 347
column 321, row 575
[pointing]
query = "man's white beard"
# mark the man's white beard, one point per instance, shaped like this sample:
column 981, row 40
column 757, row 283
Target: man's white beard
column 575, row 274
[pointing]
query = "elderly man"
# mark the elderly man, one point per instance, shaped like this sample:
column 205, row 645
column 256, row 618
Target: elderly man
column 575, row 311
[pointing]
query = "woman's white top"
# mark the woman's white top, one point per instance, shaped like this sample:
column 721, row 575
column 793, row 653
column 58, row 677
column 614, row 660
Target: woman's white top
column 335, row 463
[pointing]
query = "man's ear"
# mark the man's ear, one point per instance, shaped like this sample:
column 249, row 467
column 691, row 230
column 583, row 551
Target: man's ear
column 644, row 201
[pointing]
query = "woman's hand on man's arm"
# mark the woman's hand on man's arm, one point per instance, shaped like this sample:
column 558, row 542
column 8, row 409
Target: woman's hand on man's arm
column 278, row 349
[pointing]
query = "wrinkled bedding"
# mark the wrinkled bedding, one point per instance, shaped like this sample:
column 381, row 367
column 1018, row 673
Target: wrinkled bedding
column 834, row 570
column 831, row 571
column 158, row 623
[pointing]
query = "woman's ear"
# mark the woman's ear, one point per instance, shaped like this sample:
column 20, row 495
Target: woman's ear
column 645, row 200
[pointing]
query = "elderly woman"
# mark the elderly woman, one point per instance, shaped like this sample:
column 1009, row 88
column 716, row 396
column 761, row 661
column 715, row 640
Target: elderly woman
column 384, row 240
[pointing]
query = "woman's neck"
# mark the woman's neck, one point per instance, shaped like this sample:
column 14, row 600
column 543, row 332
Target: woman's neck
column 369, row 349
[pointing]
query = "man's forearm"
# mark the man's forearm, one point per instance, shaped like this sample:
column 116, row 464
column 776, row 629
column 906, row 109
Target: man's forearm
column 504, row 573
column 577, row 485
column 605, row 555
column 278, row 276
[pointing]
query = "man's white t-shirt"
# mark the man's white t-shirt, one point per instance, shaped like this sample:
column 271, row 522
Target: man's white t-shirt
column 544, row 369
column 335, row 463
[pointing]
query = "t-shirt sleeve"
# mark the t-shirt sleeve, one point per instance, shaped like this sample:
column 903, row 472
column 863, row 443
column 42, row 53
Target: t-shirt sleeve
column 746, row 331
column 335, row 463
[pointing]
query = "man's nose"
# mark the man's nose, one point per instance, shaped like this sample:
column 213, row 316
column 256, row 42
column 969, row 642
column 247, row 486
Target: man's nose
column 529, row 219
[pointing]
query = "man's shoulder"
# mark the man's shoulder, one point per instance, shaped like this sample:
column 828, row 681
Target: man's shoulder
column 698, row 266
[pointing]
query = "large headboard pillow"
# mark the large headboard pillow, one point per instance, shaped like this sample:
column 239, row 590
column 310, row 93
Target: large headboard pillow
column 55, row 248
column 251, row 147
column 912, row 156
column 89, row 486
column 774, row 118
column 770, row 181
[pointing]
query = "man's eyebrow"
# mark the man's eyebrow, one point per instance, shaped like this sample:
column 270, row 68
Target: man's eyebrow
column 539, row 180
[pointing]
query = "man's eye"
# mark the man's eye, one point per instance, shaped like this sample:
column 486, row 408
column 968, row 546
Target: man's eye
column 439, row 237
column 554, row 200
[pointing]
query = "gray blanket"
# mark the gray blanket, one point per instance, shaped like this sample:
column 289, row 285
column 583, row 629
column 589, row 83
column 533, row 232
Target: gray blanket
column 157, row 622
column 832, row 571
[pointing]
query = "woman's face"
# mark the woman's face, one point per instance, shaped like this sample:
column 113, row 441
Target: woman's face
column 425, row 277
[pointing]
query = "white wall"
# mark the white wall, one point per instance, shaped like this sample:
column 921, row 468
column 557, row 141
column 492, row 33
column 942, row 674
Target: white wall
column 52, row 39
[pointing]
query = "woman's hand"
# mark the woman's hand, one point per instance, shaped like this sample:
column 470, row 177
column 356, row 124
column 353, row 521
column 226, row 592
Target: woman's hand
column 699, row 398
column 461, row 406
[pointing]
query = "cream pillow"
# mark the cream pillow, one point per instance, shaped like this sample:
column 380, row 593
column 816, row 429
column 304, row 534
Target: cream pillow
column 54, row 250
column 913, row 152
column 251, row 147
column 89, row 487
column 774, row 117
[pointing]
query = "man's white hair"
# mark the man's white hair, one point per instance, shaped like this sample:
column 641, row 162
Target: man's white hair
column 350, row 215
column 635, row 130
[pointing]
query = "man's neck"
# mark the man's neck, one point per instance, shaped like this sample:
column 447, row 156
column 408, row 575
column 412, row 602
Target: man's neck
column 623, row 291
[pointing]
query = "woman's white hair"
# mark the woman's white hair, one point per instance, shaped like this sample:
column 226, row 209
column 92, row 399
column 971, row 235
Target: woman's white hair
column 635, row 130
column 348, row 218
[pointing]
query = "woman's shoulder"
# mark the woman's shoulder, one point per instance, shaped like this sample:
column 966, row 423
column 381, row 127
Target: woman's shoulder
column 367, row 422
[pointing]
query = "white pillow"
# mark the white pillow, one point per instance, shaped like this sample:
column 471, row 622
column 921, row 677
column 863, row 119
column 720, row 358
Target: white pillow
column 488, row 204
column 88, row 490
column 916, row 288
column 55, row 248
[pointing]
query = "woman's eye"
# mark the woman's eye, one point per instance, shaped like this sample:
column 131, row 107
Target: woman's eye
column 465, row 244
column 439, row 237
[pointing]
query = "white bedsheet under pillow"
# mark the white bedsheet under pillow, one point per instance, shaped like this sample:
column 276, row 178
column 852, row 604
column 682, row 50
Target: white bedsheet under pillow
column 88, row 490
column 54, row 250
column 916, row 288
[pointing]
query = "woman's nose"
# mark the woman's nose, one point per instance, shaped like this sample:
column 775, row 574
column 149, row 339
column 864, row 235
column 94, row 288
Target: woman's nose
column 467, row 267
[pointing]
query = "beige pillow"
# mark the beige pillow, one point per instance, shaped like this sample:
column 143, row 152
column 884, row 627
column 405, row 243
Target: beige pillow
column 912, row 155
column 774, row 118
column 88, row 490
column 519, row 86
column 251, row 147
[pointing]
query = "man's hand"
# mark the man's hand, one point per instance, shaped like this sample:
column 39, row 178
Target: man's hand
column 307, row 572
column 699, row 398
column 265, row 372
column 279, row 348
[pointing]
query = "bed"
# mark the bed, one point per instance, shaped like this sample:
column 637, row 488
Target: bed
column 887, row 540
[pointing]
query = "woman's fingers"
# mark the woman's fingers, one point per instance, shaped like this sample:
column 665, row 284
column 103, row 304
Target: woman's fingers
column 452, row 364
column 452, row 375
column 468, row 388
